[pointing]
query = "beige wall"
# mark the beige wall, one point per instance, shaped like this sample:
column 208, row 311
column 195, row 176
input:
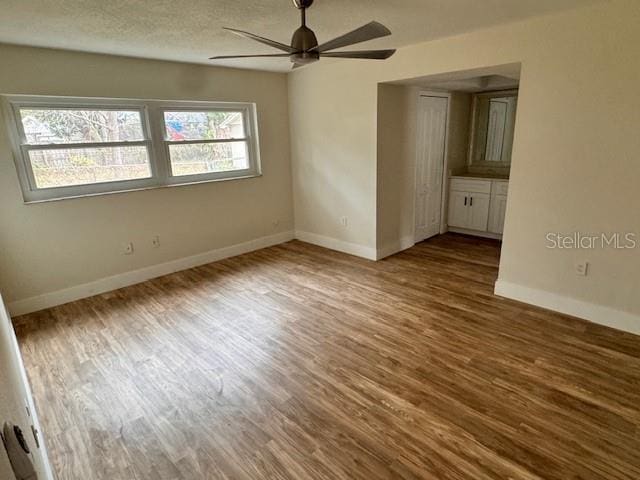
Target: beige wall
column 396, row 153
column 86, row 234
column 575, row 157
column 332, row 113
column 458, row 135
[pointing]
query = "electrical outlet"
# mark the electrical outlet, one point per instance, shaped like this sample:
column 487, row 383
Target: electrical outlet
column 127, row 248
column 582, row 268
column 344, row 221
column 155, row 241
column 275, row 223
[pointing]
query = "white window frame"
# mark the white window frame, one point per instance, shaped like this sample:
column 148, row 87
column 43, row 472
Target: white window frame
column 155, row 140
column 247, row 116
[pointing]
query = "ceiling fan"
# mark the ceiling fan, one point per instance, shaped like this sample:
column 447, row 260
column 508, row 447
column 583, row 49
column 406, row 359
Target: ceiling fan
column 304, row 48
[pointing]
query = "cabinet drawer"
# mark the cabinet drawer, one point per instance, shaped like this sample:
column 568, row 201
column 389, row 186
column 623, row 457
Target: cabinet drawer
column 500, row 188
column 470, row 185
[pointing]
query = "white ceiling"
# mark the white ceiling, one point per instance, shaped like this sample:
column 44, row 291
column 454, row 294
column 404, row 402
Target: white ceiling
column 191, row 31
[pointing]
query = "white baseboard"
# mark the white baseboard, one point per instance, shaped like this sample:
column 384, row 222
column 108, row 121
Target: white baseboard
column 395, row 247
column 340, row 245
column 600, row 314
column 51, row 299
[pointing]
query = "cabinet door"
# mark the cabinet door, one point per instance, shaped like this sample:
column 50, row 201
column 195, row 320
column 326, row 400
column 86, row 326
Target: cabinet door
column 498, row 210
column 458, row 209
column 479, row 208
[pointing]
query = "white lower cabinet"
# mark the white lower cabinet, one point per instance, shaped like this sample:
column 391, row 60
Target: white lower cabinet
column 496, row 213
column 479, row 211
column 458, row 211
column 477, row 205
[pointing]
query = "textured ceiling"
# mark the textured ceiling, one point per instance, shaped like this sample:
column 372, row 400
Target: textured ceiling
column 191, row 31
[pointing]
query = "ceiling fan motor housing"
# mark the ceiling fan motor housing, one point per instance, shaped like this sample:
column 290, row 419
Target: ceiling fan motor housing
column 302, row 41
column 303, row 3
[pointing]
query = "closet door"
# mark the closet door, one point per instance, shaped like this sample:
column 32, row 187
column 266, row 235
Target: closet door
column 432, row 130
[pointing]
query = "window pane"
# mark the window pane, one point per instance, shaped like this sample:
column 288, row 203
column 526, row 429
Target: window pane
column 210, row 125
column 193, row 159
column 81, row 166
column 45, row 126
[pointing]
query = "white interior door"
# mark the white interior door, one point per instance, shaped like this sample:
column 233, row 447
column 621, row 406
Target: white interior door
column 432, row 130
column 16, row 402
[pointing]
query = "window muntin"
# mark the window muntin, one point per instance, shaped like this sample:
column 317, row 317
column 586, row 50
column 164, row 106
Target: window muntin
column 68, row 146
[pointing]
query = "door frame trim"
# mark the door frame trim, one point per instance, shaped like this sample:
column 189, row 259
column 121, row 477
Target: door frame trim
column 445, row 160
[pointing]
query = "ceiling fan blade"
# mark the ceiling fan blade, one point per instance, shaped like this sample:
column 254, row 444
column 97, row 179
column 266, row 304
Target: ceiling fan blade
column 266, row 41
column 296, row 65
column 222, row 57
column 365, row 54
column 369, row 31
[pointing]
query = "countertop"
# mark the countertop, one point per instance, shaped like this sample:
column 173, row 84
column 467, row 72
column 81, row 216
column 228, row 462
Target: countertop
column 484, row 176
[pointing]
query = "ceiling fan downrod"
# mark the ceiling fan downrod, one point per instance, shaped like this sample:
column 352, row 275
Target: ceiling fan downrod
column 303, row 39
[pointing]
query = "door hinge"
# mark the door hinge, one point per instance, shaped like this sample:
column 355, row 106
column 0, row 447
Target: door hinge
column 34, row 431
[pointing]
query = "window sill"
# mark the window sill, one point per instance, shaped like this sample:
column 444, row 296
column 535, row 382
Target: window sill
column 152, row 187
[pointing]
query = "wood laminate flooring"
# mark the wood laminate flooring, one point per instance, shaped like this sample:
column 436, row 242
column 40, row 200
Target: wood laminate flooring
column 296, row 362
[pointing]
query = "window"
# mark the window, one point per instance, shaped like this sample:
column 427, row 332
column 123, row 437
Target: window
column 207, row 142
column 66, row 147
column 69, row 147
